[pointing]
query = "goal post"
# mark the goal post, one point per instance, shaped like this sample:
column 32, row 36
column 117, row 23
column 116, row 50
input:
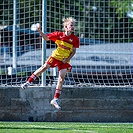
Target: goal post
column 44, row 27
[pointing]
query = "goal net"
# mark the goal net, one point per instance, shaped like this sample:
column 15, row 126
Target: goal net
column 105, row 30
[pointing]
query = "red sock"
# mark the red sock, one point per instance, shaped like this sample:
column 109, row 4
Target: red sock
column 32, row 78
column 57, row 93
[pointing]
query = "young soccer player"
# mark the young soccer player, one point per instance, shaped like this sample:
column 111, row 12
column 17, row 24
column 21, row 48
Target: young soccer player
column 67, row 43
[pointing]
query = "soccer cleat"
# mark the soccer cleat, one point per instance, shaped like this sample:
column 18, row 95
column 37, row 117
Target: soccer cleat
column 54, row 102
column 25, row 85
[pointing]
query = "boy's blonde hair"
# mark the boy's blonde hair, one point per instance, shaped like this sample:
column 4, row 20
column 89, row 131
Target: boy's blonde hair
column 68, row 20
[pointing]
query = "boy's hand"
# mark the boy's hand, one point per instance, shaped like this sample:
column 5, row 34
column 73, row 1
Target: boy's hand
column 38, row 26
column 65, row 60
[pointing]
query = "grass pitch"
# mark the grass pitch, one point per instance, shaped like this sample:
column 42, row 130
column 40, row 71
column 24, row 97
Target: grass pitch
column 64, row 127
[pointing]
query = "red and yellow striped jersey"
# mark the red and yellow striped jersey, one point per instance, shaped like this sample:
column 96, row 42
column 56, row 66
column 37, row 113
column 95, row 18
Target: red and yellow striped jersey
column 64, row 44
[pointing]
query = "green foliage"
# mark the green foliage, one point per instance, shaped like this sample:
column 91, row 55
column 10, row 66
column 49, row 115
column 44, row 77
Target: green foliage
column 21, row 74
column 2, row 71
column 122, row 7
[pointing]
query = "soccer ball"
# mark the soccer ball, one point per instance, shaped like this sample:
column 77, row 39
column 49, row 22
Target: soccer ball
column 38, row 25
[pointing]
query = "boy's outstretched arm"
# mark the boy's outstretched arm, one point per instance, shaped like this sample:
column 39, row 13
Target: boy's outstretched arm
column 41, row 33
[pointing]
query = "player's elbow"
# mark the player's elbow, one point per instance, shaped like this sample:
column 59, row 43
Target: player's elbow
column 47, row 39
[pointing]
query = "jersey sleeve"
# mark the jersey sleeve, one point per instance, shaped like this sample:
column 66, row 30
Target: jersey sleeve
column 53, row 36
column 76, row 42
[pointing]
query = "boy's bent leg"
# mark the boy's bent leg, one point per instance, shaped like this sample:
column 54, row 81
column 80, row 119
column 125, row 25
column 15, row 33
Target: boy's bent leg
column 57, row 94
column 41, row 69
column 35, row 75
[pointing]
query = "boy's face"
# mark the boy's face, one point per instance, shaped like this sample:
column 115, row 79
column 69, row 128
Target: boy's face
column 70, row 27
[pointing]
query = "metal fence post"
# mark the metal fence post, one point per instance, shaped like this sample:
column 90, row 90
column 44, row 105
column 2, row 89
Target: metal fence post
column 44, row 24
column 15, row 2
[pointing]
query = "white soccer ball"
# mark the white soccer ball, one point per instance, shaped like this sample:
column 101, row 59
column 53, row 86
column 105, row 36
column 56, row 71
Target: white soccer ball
column 33, row 27
column 38, row 25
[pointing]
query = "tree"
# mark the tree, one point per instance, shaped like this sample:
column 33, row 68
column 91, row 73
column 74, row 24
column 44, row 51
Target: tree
column 122, row 7
column 108, row 20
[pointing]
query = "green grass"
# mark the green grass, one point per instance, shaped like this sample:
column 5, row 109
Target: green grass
column 64, row 127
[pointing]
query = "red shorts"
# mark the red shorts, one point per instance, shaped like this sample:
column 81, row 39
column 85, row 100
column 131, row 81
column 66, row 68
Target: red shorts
column 53, row 63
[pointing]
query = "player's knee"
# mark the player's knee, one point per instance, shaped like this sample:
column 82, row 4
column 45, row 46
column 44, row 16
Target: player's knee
column 61, row 79
column 69, row 69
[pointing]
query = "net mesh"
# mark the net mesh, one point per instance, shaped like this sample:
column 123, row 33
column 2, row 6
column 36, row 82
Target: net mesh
column 103, row 27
